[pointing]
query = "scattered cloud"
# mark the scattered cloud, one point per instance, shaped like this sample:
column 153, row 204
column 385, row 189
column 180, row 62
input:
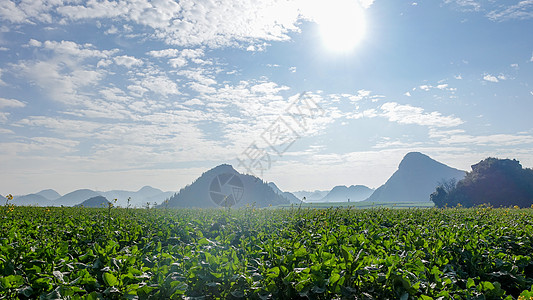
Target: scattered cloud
column 292, row 69
column 164, row 53
column 408, row 94
column 1, row 81
column 499, row 140
column 407, row 114
column 128, row 61
column 458, row 77
column 520, row 11
column 10, row 103
column 440, row 86
column 490, row 78
column 465, row 5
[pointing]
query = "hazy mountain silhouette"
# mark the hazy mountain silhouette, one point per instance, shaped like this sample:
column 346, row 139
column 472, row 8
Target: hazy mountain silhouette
column 138, row 198
column 311, row 196
column 98, row 201
column 75, row 197
column 49, row 194
column 223, row 185
column 32, row 200
column 50, row 197
column 342, row 193
column 416, row 178
column 287, row 195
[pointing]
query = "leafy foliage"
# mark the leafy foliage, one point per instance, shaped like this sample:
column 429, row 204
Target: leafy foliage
column 498, row 182
column 97, row 253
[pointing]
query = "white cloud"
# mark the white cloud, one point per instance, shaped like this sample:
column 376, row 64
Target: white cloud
column 160, row 85
column 408, row 94
column 193, row 102
column 10, row 103
column 502, row 77
column 490, row 78
column 177, row 62
column 442, row 86
column 520, row 11
column 407, row 114
column 369, row 113
column 4, row 116
column 458, row 77
column 111, row 30
column 425, row 87
column 35, row 43
column 128, row 61
column 466, row 5
column 1, row 81
column 9, row 11
column 488, row 140
column 164, row 53
column 292, row 69
column 61, row 83
column 76, row 50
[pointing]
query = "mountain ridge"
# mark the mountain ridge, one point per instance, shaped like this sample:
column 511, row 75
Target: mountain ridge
column 415, row 180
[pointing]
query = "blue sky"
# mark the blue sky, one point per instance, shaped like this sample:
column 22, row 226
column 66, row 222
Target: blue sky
column 121, row 94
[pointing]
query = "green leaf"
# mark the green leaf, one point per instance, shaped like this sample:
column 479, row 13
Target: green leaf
column 470, row 283
column 334, row 278
column 273, row 272
column 300, row 252
column 110, row 279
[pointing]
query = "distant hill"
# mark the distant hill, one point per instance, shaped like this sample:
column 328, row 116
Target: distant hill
column 50, row 197
column 498, row 182
column 222, row 185
column 311, row 196
column 342, row 193
column 287, row 195
column 32, row 200
column 75, row 197
column 416, row 178
column 98, row 201
column 138, row 198
column 49, row 194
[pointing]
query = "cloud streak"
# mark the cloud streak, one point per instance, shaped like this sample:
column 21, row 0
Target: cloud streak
column 407, row 114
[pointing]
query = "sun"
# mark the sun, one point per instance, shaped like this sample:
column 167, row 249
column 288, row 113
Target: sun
column 341, row 24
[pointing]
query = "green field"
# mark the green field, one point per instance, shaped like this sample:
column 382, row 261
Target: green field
column 284, row 253
column 362, row 204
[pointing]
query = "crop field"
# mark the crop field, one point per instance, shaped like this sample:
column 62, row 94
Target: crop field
column 286, row 253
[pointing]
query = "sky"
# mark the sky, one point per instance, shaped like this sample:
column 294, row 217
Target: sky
column 121, row 94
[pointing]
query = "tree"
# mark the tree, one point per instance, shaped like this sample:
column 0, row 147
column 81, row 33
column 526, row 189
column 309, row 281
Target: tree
column 498, row 182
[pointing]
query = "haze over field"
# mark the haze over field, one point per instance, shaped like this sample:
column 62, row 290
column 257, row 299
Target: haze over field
column 116, row 95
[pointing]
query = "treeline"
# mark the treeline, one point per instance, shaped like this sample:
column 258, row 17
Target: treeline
column 497, row 182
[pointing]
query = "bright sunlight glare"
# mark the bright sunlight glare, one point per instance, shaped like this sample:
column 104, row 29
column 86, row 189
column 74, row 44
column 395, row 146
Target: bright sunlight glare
column 341, row 25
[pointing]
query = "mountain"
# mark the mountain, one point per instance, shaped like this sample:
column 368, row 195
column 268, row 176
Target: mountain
column 311, row 196
column 415, row 180
column 49, row 194
column 98, row 201
column 287, row 195
column 75, row 197
column 342, row 193
column 32, row 200
column 139, row 198
column 224, row 186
